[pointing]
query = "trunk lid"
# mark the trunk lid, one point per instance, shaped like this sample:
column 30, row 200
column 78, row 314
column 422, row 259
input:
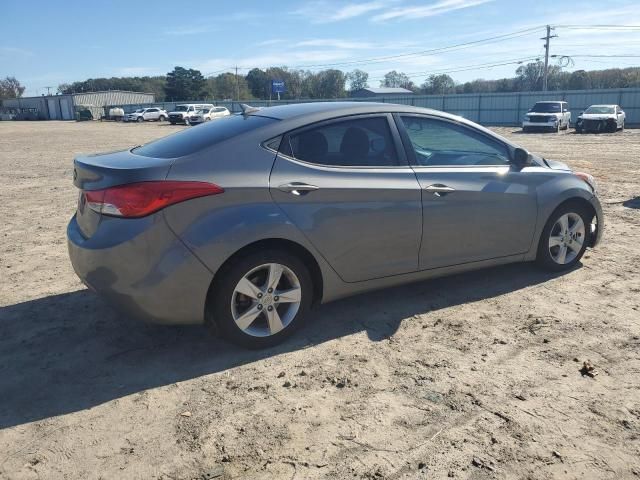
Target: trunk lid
column 95, row 172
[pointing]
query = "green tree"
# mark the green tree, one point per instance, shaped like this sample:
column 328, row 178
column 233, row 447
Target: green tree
column 226, row 86
column 395, row 79
column 258, row 83
column 439, row 84
column 357, row 80
column 10, row 87
column 185, row 84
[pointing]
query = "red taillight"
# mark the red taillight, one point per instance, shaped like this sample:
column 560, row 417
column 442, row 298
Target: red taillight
column 141, row 199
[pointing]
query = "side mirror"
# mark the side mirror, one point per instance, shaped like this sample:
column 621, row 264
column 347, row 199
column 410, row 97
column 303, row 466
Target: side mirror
column 520, row 157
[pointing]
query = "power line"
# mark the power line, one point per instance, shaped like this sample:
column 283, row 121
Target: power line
column 433, row 51
column 465, row 68
column 598, row 56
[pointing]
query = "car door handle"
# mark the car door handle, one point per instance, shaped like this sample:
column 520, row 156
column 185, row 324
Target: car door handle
column 439, row 190
column 297, row 188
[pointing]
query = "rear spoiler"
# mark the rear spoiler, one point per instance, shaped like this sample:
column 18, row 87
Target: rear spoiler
column 247, row 109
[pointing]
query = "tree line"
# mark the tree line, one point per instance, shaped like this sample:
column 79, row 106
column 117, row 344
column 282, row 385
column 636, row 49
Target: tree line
column 190, row 84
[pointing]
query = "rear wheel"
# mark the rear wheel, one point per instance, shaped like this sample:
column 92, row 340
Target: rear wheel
column 565, row 238
column 262, row 298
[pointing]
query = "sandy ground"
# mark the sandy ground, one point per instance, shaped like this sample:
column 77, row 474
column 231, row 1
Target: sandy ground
column 473, row 376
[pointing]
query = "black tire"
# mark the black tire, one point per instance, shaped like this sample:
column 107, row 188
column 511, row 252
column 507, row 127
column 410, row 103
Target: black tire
column 525, row 130
column 221, row 295
column 622, row 127
column 162, row 118
column 140, row 120
column 578, row 130
column 544, row 258
column 172, row 122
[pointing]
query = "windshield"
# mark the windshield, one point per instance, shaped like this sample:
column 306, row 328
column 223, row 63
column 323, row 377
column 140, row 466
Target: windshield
column 543, row 107
column 596, row 109
column 181, row 108
column 140, row 110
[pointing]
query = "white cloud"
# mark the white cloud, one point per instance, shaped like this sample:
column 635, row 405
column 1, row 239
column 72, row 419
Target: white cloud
column 15, row 52
column 327, row 12
column 335, row 43
column 423, row 11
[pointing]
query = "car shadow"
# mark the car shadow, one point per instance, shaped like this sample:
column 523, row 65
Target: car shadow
column 70, row 352
column 632, row 203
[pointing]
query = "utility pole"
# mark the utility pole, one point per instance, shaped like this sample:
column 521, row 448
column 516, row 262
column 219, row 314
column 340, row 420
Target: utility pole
column 547, row 38
column 48, row 90
column 237, row 86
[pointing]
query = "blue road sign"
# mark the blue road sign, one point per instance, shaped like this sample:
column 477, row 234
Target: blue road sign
column 277, row 86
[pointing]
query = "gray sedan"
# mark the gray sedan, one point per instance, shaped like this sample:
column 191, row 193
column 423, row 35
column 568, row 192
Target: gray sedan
column 246, row 222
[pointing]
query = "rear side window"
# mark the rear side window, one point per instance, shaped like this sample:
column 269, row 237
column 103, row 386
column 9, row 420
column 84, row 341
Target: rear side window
column 362, row 142
column 194, row 139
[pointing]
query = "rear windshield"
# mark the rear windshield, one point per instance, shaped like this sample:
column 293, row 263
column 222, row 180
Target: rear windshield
column 194, row 139
column 546, row 107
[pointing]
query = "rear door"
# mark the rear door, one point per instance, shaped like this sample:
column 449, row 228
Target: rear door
column 347, row 186
column 475, row 205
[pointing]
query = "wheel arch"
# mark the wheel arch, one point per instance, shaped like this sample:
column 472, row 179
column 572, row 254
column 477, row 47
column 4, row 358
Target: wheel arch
column 271, row 243
column 572, row 200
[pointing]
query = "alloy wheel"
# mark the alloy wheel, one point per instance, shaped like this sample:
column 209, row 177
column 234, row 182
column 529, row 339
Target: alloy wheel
column 566, row 238
column 266, row 300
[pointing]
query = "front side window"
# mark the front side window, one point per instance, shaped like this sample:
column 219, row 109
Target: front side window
column 361, row 142
column 440, row 143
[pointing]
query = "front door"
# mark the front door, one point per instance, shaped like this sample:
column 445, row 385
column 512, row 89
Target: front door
column 347, row 186
column 476, row 206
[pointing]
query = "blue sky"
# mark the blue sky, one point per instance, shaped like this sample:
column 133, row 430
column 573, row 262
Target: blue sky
column 45, row 43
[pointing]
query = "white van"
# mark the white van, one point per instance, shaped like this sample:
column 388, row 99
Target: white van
column 181, row 113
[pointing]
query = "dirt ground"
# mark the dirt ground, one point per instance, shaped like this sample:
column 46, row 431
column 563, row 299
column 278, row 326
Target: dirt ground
column 474, row 376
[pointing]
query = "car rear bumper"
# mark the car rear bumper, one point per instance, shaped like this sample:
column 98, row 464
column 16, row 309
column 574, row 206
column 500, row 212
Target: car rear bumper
column 141, row 268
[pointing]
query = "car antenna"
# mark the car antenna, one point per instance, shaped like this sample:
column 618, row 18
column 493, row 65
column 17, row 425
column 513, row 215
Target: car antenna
column 247, row 109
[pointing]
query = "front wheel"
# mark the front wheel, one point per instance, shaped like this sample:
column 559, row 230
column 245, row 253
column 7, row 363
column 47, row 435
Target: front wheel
column 565, row 238
column 262, row 298
column 140, row 119
column 162, row 118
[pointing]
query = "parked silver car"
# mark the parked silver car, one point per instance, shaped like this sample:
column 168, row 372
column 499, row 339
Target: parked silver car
column 248, row 221
column 146, row 114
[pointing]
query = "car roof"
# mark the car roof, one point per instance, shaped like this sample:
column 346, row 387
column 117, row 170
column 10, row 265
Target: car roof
column 551, row 101
column 336, row 109
column 303, row 114
column 603, row 105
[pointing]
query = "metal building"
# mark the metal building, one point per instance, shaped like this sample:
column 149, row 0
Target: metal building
column 63, row 107
column 369, row 92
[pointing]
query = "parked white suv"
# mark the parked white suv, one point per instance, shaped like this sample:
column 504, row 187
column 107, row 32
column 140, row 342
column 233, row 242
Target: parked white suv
column 554, row 115
column 207, row 114
column 181, row 113
column 601, row 118
column 146, row 114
